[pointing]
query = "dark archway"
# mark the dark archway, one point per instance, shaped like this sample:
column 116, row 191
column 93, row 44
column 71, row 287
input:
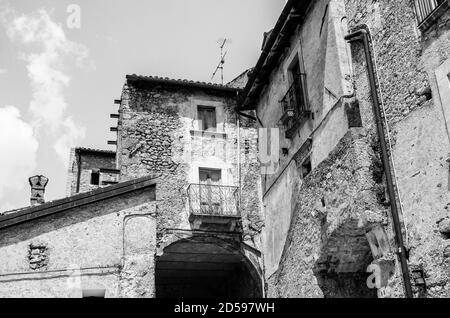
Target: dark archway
column 202, row 267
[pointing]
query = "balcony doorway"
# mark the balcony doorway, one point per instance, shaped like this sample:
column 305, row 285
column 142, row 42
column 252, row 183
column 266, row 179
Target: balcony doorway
column 205, row 267
column 211, row 202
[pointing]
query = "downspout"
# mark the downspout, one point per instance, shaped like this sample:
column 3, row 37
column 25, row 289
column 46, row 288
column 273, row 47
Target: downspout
column 78, row 171
column 239, row 161
column 363, row 35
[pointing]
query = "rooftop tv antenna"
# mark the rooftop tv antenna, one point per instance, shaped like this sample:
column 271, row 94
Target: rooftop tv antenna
column 222, row 59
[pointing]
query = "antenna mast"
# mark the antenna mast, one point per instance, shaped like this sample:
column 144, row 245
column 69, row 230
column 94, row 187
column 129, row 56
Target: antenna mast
column 222, row 61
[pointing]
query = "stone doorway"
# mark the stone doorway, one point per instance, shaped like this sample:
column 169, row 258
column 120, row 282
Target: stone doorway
column 201, row 267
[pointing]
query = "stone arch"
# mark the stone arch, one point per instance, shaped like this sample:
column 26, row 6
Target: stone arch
column 196, row 265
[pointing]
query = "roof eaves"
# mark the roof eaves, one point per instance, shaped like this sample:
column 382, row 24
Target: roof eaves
column 180, row 82
column 49, row 208
column 293, row 10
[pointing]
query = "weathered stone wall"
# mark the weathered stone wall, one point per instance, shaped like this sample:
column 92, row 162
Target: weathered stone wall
column 159, row 133
column 407, row 61
column 108, row 245
column 327, row 252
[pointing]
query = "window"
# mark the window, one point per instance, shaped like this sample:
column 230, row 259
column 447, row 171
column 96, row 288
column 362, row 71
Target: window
column 95, row 177
column 246, row 146
column 295, row 81
column 427, row 11
column 295, row 103
column 210, row 176
column 207, row 118
column 306, row 167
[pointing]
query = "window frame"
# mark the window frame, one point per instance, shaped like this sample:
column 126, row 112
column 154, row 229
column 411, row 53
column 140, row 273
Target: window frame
column 205, row 169
column 202, row 109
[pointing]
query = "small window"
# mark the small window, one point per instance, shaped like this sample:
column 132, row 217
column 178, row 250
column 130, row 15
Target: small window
column 95, row 177
column 213, row 176
column 207, row 118
column 246, row 146
column 306, row 167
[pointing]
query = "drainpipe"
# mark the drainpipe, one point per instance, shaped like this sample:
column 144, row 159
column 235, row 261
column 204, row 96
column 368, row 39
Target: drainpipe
column 363, row 35
column 78, row 171
column 239, row 161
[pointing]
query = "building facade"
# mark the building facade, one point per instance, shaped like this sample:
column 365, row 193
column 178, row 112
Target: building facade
column 189, row 135
column 321, row 172
column 357, row 93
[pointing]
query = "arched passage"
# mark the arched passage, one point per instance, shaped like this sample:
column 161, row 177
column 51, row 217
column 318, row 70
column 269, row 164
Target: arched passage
column 205, row 267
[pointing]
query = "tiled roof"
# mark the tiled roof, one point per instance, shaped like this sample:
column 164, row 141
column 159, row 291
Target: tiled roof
column 26, row 214
column 180, row 82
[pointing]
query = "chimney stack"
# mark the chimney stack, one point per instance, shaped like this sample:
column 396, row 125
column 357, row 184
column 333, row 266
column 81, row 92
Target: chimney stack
column 37, row 184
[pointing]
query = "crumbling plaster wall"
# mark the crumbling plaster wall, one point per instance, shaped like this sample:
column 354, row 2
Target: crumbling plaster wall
column 407, row 60
column 108, row 245
column 334, row 208
column 325, row 58
column 159, row 133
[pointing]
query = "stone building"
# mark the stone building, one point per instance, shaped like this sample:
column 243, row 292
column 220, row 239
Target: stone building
column 99, row 243
column 208, row 201
column 321, row 172
column 90, row 169
column 359, row 93
column 194, row 232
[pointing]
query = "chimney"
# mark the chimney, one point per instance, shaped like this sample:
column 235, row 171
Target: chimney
column 37, row 184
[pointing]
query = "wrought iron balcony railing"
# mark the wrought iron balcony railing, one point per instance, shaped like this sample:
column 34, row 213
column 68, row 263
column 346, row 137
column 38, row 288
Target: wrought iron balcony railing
column 295, row 105
column 213, row 200
column 427, row 9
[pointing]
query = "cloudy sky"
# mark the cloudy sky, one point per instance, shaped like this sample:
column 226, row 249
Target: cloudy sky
column 58, row 82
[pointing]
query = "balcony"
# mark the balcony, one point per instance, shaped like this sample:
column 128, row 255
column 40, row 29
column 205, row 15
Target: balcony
column 214, row 207
column 294, row 106
column 428, row 11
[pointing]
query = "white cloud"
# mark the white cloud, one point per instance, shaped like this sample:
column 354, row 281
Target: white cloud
column 3, row 71
column 48, row 74
column 18, row 146
column 66, row 141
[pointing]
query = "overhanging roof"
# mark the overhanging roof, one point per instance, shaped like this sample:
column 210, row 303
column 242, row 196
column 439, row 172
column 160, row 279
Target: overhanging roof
column 54, row 207
column 292, row 16
column 96, row 151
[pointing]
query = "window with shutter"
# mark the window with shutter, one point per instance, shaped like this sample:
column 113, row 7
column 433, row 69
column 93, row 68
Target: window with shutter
column 207, row 118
